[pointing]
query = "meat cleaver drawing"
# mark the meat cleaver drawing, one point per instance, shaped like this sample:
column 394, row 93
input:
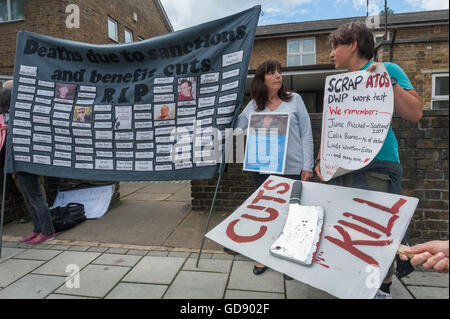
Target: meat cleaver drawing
column 300, row 237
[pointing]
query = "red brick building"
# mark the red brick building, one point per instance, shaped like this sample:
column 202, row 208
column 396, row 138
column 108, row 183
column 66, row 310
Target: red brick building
column 98, row 22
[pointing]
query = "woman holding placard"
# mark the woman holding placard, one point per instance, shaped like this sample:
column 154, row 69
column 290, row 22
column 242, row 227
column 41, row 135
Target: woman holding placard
column 352, row 49
column 270, row 96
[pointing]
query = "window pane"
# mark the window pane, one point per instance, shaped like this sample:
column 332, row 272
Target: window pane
column 440, row 105
column 3, row 11
column 441, row 85
column 308, row 59
column 112, row 29
column 293, row 47
column 308, row 45
column 17, row 9
column 128, row 36
column 293, row 60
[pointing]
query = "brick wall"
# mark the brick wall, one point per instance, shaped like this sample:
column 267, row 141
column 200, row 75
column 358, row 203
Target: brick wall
column 423, row 149
column 48, row 17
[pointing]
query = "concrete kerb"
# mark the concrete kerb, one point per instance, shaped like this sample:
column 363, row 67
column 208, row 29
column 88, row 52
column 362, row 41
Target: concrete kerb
column 7, row 238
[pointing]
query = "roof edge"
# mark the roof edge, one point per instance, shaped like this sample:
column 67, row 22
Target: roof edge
column 163, row 13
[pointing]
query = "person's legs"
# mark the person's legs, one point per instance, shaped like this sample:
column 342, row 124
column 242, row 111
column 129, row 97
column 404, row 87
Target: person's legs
column 22, row 183
column 39, row 210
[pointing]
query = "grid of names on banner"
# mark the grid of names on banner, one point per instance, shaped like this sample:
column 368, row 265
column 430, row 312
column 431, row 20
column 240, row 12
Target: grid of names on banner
column 181, row 126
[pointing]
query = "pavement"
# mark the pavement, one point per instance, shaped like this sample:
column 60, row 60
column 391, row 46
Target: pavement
column 146, row 247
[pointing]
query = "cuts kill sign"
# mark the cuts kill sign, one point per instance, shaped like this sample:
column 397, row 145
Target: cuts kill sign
column 361, row 234
column 357, row 114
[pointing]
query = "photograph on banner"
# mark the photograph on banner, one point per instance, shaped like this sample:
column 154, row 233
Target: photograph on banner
column 361, row 233
column 65, row 91
column 187, row 88
column 357, row 114
column 267, row 138
column 123, row 117
column 82, row 113
column 164, row 112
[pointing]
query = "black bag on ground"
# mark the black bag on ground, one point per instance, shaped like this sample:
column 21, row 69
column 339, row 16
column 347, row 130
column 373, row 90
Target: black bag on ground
column 68, row 216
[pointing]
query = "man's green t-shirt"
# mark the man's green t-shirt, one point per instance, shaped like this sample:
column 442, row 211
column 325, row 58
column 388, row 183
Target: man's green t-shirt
column 389, row 150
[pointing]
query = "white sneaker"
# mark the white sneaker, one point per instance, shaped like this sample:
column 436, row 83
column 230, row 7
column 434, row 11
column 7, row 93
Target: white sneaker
column 382, row 295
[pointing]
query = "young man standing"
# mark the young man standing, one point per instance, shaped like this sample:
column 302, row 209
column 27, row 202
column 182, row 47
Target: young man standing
column 352, row 49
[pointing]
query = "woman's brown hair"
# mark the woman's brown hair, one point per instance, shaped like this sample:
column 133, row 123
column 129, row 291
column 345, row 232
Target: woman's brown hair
column 259, row 91
column 351, row 32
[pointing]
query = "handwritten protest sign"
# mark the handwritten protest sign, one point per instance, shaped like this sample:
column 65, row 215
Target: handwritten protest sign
column 151, row 110
column 96, row 200
column 357, row 113
column 361, row 234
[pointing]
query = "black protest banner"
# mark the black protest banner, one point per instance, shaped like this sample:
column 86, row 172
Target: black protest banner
column 152, row 110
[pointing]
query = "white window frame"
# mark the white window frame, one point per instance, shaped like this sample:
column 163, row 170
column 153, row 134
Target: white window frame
column 300, row 52
column 116, row 29
column 435, row 97
column 8, row 8
column 125, row 34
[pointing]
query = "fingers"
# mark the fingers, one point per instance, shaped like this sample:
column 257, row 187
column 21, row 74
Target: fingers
column 433, row 247
column 306, row 175
column 403, row 257
column 372, row 67
column 317, row 171
column 420, row 259
column 441, row 266
column 437, row 260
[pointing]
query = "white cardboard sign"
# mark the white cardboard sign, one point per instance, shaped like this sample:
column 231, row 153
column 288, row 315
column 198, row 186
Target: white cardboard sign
column 357, row 113
column 96, row 200
column 361, row 234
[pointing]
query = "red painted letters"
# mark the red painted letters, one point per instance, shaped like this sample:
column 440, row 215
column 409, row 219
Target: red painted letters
column 349, row 245
column 273, row 213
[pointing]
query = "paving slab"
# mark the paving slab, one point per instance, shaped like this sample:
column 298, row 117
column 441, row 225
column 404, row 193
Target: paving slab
column 146, row 197
column 13, row 269
column 96, row 281
column 429, row 292
column 58, row 265
column 117, row 260
column 32, row 287
column 155, row 270
column 242, row 294
column 126, row 290
column 211, row 265
column 146, row 223
column 183, row 195
column 242, row 278
column 163, row 188
column 8, row 253
column 38, row 254
column 189, row 232
column 197, row 285
column 431, row 279
column 299, row 290
column 58, row 296
column 398, row 290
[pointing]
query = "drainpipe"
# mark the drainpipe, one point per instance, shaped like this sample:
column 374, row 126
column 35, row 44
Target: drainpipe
column 391, row 51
